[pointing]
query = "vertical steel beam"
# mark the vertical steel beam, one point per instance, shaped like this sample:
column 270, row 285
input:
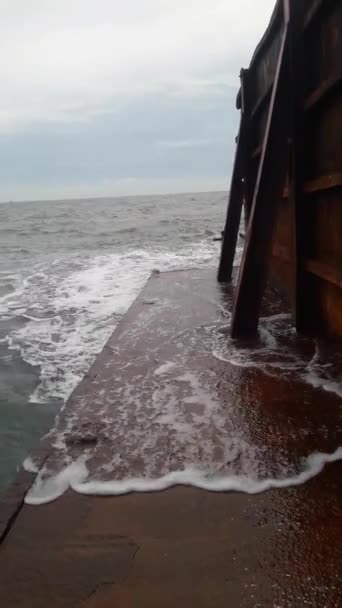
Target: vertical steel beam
column 237, row 191
column 302, row 281
column 295, row 175
column 268, row 191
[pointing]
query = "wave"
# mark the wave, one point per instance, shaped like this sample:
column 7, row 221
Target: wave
column 279, row 350
column 75, row 476
column 195, row 437
column 71, row 307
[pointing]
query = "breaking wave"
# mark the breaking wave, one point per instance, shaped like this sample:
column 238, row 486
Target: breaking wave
column 70, row 309
column 75, row 477
column 204, row 427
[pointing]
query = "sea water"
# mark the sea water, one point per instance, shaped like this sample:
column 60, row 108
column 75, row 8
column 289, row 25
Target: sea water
column 69, row 271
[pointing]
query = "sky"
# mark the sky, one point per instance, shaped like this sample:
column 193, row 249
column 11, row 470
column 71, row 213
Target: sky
column 121, row 97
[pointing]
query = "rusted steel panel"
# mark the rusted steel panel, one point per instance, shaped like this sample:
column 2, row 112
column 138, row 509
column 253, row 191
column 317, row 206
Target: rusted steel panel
column 325, row 90
column 237, row 190
column 329, row 308
column 268, row 188
column 266, row 66
column 331, row 42
column 327, row 212
column 324, row 183
column 282, row 255
column 331, row 275
column 316, row 226
column 281, row 275
column 263, row 64
column 314, row 11
column 324, row 154
column 298, row 237
column 283, row 228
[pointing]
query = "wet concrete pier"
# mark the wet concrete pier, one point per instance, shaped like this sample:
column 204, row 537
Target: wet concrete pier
column 169, row 391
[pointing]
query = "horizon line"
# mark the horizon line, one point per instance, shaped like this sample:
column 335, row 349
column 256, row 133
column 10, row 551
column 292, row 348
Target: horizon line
column 117, row 196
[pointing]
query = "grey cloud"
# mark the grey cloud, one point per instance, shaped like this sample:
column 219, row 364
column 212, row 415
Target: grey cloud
column 124, row 91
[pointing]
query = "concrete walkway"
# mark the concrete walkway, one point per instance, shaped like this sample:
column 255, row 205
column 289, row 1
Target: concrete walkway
column 184, row 546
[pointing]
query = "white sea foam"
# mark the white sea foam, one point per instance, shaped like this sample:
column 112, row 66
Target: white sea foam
column 278, row 350
column 48, row 488
column 67, row 313
column 163, row 369
column 75, row 476
column 194, row 437
column 317, row 374
column 30, row 466
column 318, row 381
column 70, row 309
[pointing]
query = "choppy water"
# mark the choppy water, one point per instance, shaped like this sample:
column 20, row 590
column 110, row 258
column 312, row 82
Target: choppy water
column 68, row 272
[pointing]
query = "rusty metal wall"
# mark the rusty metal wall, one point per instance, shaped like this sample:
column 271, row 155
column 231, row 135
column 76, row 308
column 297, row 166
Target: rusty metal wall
column 321, row 81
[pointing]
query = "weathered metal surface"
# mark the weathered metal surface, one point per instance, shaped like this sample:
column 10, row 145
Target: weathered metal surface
column 327, row 88
column 319, row 68
column 325, row 272
column 314, row 11
column 237, row 190
column 268, row 187
column 184, row 546
column 298, row 241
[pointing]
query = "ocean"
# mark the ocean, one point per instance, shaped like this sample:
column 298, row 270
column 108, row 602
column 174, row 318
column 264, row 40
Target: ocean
column 69, row 270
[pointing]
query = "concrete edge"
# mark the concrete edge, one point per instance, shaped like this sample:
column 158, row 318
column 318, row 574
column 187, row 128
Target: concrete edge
column 12, row 500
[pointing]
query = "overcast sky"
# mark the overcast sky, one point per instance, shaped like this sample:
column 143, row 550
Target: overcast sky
column 109, row 97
